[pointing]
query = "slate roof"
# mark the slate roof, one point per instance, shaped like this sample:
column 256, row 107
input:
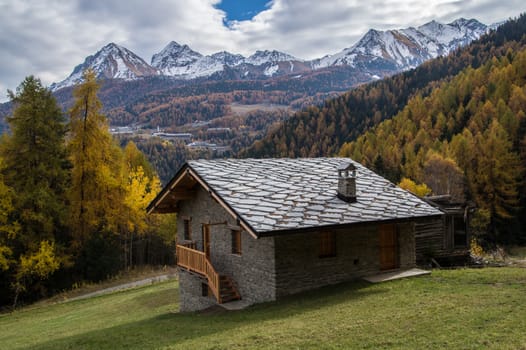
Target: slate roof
column 289, row 194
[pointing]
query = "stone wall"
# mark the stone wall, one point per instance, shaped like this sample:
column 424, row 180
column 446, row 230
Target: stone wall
column 271, row 267
column 190, row 293
column 252, row 271
column 299, row 267
column 406, row 245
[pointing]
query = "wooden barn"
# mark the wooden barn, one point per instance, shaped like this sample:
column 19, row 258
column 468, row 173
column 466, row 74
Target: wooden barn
column 448, row 242
column 260, row 229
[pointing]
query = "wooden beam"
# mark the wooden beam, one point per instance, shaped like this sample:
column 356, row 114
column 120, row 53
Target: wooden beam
column 165, row 210
column 181, row 194
column 166, row 191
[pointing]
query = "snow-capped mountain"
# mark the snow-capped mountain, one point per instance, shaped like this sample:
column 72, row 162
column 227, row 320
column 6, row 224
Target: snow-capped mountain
column 174, row 59
column 110, row 62
column 376, row 54
column 183, row 63
column 267, row 56
column 405, row 48
column 228, row 59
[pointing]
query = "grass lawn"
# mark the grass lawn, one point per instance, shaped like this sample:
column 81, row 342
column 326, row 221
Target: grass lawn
column 449, row 309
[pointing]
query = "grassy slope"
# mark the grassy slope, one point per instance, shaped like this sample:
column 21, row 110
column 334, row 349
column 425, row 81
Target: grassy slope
column 455, row 309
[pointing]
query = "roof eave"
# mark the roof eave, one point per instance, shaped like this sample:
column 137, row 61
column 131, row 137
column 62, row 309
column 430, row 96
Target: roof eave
column 187, row 169
column 166, row 190
column 242, row 222
column 343, row 226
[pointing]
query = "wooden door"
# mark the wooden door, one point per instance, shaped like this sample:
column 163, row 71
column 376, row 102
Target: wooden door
column 206, row 240
column 388, row 247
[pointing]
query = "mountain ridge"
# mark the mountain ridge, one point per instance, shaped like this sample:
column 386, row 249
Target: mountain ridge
column 377, row 53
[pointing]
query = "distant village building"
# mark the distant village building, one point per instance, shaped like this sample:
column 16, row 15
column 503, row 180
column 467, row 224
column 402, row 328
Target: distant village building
column 212, row 130
column 199, row 123
column 261, row 229
column 186, row 137
column 201, row 144
column 121, row 130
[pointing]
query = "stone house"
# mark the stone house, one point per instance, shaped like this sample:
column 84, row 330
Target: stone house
column 260, row 229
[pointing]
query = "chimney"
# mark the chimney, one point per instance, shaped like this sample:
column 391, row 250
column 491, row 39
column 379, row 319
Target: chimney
column 347, row 182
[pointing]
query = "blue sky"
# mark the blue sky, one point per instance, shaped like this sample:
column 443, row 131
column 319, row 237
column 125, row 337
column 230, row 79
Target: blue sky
column 239, row 10
column 48, row 38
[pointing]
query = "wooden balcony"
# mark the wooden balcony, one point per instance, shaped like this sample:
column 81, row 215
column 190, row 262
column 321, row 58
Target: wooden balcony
column 196, row 261
column 188, row 244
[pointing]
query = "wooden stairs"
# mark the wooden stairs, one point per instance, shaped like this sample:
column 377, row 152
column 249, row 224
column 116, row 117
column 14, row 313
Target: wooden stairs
column 227, row 290
column 221, row 286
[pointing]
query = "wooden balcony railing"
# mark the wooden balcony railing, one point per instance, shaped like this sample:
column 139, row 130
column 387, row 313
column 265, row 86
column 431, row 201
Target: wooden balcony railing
column 189, row 244
column 196, row 261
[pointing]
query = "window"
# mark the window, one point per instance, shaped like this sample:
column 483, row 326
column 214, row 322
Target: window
column 459, row 232
column 186, row 229
column 204, row 289
column 327, row 244
column 236, row 242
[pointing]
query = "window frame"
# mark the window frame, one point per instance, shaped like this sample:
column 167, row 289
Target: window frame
column 236, row 242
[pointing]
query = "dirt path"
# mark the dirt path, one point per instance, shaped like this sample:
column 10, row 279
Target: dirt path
column 128, row 285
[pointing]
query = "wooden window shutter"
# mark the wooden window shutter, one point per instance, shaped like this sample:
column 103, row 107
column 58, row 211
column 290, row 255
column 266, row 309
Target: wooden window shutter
column 236, row 242
column 327, row 247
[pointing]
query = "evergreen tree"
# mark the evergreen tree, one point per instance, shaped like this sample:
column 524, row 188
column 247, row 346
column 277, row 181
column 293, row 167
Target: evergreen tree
column 35, row 161
column 35, row 171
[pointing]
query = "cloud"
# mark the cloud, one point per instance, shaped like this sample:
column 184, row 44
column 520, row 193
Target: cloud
column 311, row 29
column 48, row 38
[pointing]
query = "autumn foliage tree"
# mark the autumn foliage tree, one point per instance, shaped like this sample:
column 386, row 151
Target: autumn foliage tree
column 141, row 187
column 444, row 177
column 420, row 190
column 68, row 205
column 499, row 174
column 34, row 181
column 110, row 189
column 97, row 175
column 464, row 139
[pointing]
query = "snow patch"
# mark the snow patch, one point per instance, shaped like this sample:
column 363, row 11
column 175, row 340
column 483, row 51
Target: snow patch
column 270, row 71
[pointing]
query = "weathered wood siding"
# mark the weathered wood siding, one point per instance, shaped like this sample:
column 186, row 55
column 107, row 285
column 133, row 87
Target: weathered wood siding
column 429, row 238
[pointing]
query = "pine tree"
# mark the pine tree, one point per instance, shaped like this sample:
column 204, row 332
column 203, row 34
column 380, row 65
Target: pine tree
column 35, row 171
column 35, row 161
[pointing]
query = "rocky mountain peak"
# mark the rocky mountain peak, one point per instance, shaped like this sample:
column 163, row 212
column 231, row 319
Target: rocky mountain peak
column 377, row 54
column 265, row 56
column 110, row 62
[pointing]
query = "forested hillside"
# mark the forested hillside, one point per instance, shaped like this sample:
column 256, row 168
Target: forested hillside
column 321, row 131
column 169, row 103
column 472, row 128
